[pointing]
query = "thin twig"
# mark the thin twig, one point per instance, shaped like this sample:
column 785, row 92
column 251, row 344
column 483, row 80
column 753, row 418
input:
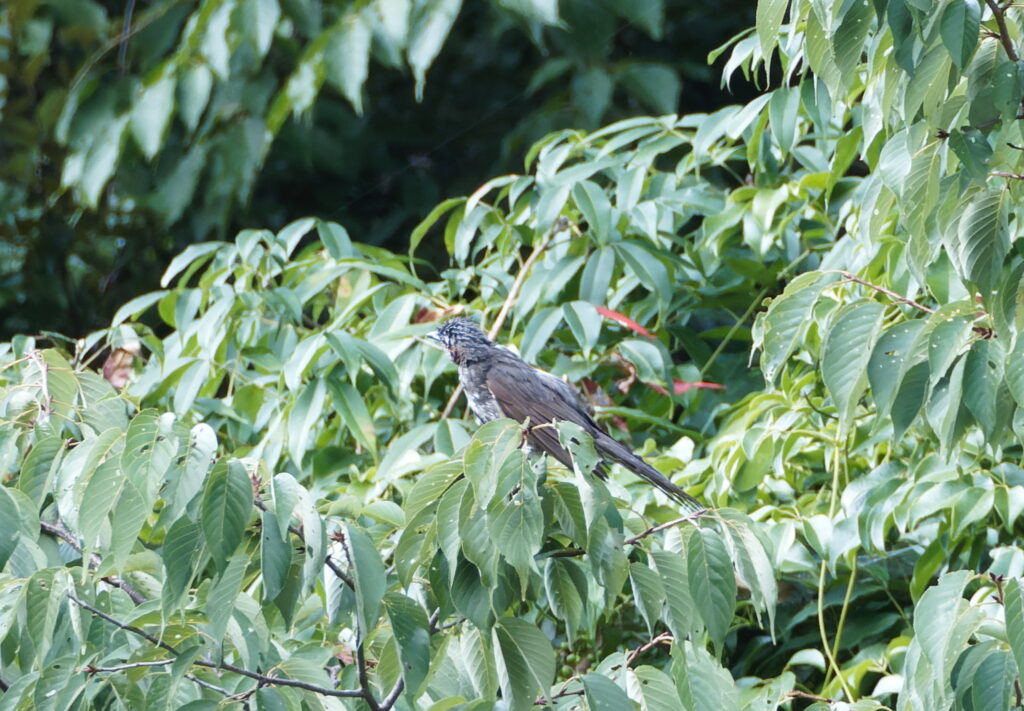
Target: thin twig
column 90, row 669
column 1004, row 32
column 123, row 625
column 663, row 638
column 261, row 678
column 513, row 294
column 392, row 697
column 59, row 530
column 122, row 51
column 849, row 276
column 797, row 694
column 631, row 657
column 662, row 526
column 1004, row 174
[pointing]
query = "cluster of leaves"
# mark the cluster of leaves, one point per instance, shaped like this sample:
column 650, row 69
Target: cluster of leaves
column 304, row 360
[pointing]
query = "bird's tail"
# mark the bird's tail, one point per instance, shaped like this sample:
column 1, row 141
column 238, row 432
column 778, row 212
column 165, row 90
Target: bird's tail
column 618, row 452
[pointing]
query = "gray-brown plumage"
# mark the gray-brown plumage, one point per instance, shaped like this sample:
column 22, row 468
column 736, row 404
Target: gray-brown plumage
column 500, row 384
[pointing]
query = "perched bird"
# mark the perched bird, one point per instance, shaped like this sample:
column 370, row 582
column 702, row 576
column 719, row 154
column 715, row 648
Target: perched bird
column 500, row 384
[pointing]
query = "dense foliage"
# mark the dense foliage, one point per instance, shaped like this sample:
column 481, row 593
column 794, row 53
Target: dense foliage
column 260, row 498
column 130, row 130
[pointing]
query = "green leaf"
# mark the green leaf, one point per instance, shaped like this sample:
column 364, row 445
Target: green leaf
column 369, row 577
column 682, row 614
column 656, row 689
column 752, row 555
column 1013, row 592
column 603, row 694
column 515, row 519
column 566, row 586
column 983, row 374
column 845, row 354
column 770, row 14
column 945, row 404
column 181, row 563
column 39, row 467
column 994, row 681
column 305, row 413
column 972, row 148
column 712, row 581
column 347, row 58
column 151, row 113
column 433, row 20
column 8, row 513
column 584, row 322
column 893, row 355
column 275, row 556
column 220, row 603
column 648, row 593
column 411, row 629
column 526, row 662
column 848, row 39
column 784, row 325
column 701, row 681
column 983, row 238
column 961, row 21
column 651, row 272
column 134, row 307
column 349, row 403
column 224, row 510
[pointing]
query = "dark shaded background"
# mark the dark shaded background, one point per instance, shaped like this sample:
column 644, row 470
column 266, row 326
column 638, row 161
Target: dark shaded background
column 66, row 268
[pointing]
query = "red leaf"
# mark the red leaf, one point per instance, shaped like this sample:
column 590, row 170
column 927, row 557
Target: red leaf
column 681, row 386
column 624, row 320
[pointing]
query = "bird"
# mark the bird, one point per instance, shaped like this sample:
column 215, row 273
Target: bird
column 498, row 383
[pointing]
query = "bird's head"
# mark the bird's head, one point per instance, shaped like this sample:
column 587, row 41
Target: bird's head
column 463, row 339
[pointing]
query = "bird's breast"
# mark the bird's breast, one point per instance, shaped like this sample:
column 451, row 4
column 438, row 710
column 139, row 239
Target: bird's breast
column 473, row 378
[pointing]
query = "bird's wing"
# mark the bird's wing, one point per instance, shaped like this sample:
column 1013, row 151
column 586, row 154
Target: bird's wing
column 523, row 394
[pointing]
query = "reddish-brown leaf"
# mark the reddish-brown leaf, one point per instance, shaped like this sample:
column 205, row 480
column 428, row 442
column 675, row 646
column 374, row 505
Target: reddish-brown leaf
column 624, row 320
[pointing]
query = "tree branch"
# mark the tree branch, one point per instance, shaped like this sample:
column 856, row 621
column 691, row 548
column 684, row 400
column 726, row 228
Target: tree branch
column 261, row 678
column 662, row 526
column 849, row 276
column 90, row 669
column 662, row 638
column 1004, row 32
column 59, row 530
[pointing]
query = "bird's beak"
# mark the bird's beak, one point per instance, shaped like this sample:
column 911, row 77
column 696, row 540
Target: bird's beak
column 431, row 340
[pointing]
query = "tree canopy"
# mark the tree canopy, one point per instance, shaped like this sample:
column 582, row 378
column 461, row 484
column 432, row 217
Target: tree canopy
column 257, row 486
